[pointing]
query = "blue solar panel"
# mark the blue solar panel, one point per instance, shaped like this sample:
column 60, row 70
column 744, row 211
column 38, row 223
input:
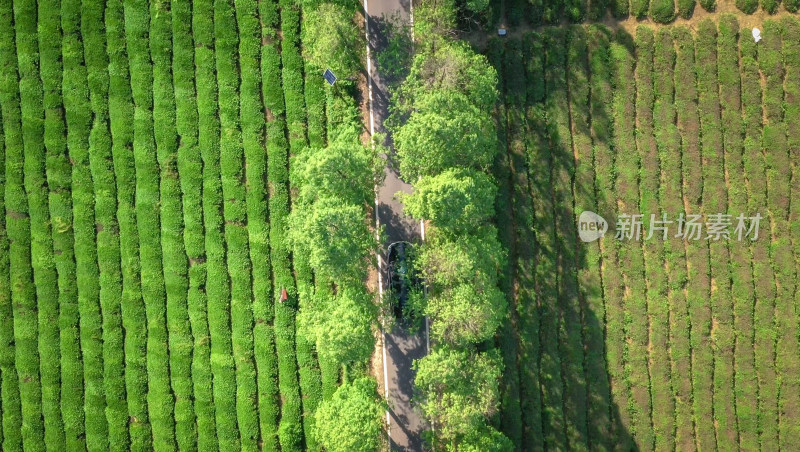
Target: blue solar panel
column 329, row 77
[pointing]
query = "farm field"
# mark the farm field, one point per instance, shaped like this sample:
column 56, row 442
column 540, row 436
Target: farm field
column 148, row 298
column 667, row 343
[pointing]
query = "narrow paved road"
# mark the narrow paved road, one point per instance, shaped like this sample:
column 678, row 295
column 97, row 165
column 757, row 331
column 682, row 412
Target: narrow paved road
column 401, row 348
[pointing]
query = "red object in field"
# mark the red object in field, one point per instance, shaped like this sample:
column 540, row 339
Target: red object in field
column 284, row 295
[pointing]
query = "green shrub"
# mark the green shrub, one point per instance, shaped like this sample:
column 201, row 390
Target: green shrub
column 108, row 244
column 770, row 6
column 222, row 363
column 234, row 194
column 747, row 6
column 53, row 141
column 640, row 8
column 288, row 115
column 686, row 95
column 189, row 166
column 686, row 8
column 24, row 356
column 662, row 11
column 160, row 400
column 173, row 252
column 134, row 318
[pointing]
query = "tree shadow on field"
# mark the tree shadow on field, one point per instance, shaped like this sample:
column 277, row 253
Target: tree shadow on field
column 555, row 132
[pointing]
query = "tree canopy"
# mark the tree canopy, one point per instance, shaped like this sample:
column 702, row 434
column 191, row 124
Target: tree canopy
column 444, row 131
column 351, row 421
column 336, row 236
column 342, row 324
column 344, row 169
column 334, row 40
column 456, row 200
column 460, row 391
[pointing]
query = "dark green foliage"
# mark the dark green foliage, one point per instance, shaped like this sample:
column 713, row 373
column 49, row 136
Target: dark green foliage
column 234, row 193
column 587, row 258
column 747, row 6
column 190, row 166
column 172, row 246
column 770, row 6
column 23, row 426
column 662, row 11
column 160, row 400
column 686, row 8
column 640, row 8
column 288, row 115
column 222, row 365
column 45, row 276
column 134, row 321
column 710, row 5
column 108, row 244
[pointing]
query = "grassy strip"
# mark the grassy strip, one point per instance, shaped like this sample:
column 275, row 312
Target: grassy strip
column 654, row 65
column 11, row 415
column 108, row 240
column 289, row 103
column 29, row 234
column 588, row 255
column 715, row 202
column 59, row 180
column 553, row 416
column 315, row 106
column 763, row 278
column 252, row 113
column 222, row 364
column 528, row 307
column 308, row 366
column 14, row 212
column 134, row 320
column 696, row 252
column 668, row 141
column 629, row 252
column 791, row 85
column 172, row 248
column 79, row 118
column 570, row 330
column 190, row 171
column 509, row 117
column 264, row 312
column 160, row 400
column 779, row 178
column 745, row 384
column 46, row 277
column 602, row 57
column 235, row 212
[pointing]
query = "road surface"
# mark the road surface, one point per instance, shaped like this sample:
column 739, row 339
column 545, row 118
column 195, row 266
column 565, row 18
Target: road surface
column 406, row 424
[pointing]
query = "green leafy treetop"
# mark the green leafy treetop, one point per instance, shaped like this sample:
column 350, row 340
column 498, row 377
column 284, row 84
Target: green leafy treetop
column 337, row 237
column 444, row 131
column 352, row 420
column 345, row 169
column 460, row 393
column 342, row 325
column 333, row 39
column 457, row 201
